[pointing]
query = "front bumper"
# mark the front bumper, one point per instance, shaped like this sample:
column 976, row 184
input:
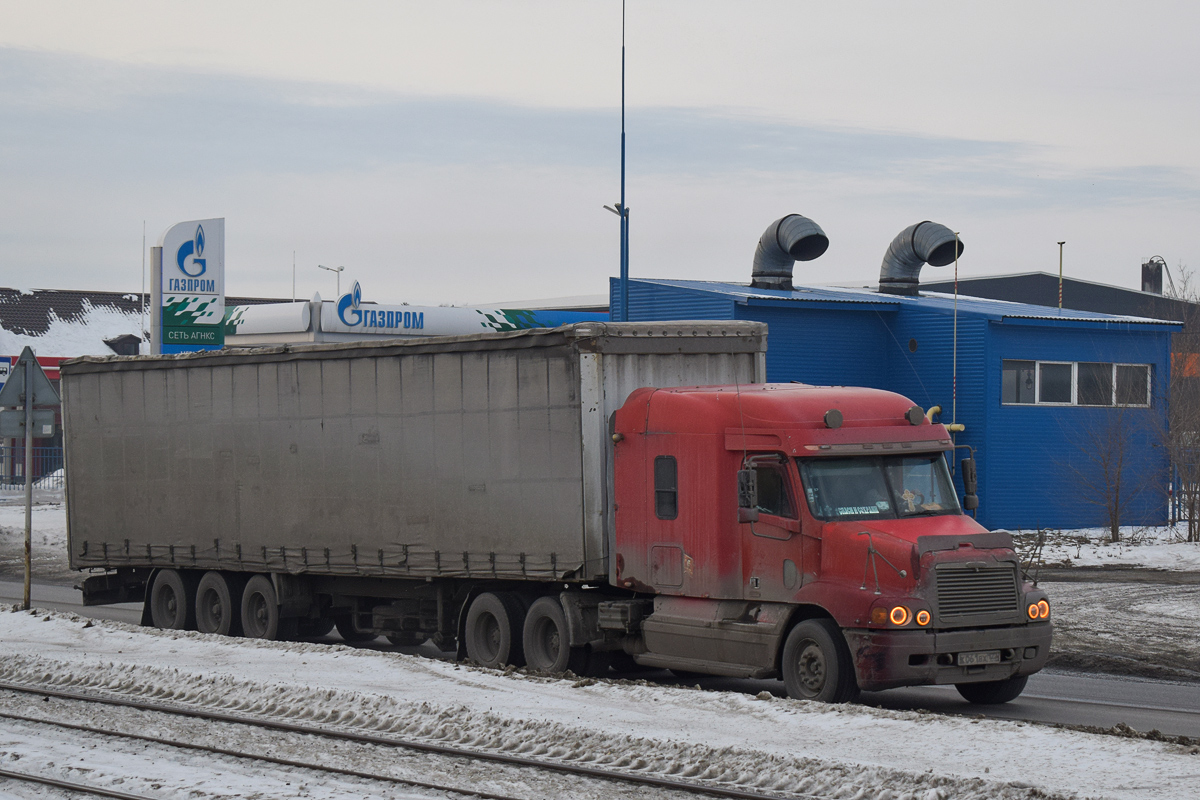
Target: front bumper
column 886, row 659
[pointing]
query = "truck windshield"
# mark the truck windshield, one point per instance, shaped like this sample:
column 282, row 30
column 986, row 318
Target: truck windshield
column 878, row 487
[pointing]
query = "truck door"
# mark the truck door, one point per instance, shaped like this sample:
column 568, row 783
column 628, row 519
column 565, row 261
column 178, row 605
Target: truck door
column 771, row 548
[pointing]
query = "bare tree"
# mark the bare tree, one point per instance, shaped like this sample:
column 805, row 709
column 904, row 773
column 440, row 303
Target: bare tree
column 1182, row 434
column 1103, row 473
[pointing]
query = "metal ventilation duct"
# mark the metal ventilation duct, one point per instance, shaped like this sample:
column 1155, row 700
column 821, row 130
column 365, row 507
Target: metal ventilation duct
column 925, row 242
column 786, row 241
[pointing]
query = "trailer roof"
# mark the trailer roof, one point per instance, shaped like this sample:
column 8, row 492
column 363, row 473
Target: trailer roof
column 689, row 336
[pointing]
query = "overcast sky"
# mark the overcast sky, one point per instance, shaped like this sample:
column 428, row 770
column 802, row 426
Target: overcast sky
column 461, row 152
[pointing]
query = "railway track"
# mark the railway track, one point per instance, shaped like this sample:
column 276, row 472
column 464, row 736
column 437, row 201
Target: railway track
column 70, row 786
column 514, row 763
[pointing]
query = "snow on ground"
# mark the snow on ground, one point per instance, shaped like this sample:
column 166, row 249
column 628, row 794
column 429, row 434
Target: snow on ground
column 1149, row 548
column 49, row 539
column 840, row 751
column 1146, row 629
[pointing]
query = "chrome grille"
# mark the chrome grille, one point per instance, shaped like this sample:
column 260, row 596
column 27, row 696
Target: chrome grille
column 974, row 591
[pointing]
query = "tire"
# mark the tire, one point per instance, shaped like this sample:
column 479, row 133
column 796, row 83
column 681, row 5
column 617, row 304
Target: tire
column 307, row 628
column 991, row 693
column 622, row 662
column 493, row 634
column 218, row 608
column 407, row 638
column 547, row 643
column 172, row 602
column 598, row 663
column 349, row 630
column 260, row 609
column 817, row 663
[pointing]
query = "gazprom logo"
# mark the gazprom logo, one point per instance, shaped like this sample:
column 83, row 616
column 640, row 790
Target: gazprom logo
column 349, row 303
column 352, row 316
column 191, row 263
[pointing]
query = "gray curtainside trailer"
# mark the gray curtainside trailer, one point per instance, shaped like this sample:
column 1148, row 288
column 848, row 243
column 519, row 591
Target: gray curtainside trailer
column 376, row 486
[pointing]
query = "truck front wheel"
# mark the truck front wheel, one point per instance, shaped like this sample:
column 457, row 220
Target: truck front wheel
column 817, row 664
column 990, row 693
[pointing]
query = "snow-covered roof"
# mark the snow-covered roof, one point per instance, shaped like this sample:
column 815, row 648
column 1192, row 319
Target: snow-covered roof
column 68, row 323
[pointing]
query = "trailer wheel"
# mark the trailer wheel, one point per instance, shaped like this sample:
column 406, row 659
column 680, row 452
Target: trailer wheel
column 993, row 692
column 817, row 663
column 313, row 628
column 493, row 634
column 407, row 638
column 171, row 602
column 547, row 642
column 217, row 608
column 260, row 609
column 349, row 630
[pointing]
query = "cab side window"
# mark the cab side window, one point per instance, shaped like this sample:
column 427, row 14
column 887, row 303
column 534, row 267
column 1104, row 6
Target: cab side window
column 666, row 488
column 773, row 491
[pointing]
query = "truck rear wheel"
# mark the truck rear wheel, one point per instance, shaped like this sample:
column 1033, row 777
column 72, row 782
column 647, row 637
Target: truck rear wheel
column 993, row 692
column 817, row 663
column 217, row 611
column 493, row 635
column 260, row 609
column 547, row 641
column 171, row 602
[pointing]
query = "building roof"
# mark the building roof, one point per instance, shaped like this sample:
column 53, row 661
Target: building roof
column 63, row 322
column 870, row 299
column 1042, row 288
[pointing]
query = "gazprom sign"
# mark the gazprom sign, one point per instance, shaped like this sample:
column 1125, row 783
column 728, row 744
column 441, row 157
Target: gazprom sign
column 350, row 317
column 188, row 285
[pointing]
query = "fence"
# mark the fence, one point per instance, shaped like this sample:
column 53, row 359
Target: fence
column 47, row 467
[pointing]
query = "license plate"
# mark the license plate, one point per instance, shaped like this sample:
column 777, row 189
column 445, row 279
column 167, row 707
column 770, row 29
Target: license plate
column 983, row 657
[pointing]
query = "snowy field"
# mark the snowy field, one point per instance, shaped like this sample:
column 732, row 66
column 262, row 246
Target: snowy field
column 833, row 751
column 1144, row 548
column 49, row 535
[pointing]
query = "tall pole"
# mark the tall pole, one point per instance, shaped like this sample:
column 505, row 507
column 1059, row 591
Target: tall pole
column 28, row 482
column 142, row 332
column 954, row 356
column 1060, row 244
column 624, row 210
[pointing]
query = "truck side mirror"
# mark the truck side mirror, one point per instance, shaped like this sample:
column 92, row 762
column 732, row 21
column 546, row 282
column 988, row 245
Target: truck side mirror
column 970, row 484
column 747, row 515
column 747, row 488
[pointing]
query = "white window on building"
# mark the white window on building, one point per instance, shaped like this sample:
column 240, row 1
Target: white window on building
column 1074, row 383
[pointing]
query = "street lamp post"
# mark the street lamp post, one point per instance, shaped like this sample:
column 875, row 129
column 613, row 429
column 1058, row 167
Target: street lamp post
column 338, row 272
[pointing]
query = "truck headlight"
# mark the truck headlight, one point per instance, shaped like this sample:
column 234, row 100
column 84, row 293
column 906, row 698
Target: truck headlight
column 923, row 617
column 1033, row 610
column 900, row 615
column 1043, row 609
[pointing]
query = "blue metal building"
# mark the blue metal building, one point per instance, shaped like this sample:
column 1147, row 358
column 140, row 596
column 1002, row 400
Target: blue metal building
column 1050, row 398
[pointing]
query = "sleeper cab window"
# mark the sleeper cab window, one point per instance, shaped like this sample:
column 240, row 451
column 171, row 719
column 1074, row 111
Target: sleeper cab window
column 772, row 491
column 666, row 488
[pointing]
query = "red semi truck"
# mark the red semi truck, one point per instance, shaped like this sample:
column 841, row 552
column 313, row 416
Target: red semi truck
column 560, row 499
column 814, row 533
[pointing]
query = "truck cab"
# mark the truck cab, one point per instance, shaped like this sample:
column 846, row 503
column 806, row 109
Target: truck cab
column 814, row 534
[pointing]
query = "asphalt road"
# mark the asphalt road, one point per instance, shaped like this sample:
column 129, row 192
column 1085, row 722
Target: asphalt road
column 1051, row 697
